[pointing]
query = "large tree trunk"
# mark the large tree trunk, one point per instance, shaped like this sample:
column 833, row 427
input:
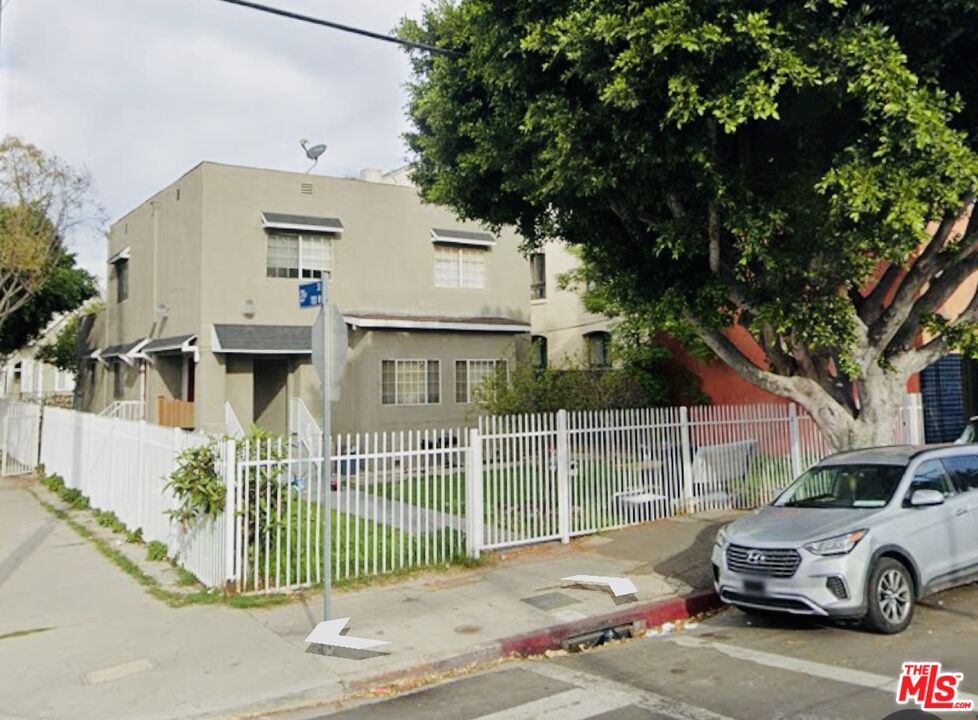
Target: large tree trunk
column 877, row 418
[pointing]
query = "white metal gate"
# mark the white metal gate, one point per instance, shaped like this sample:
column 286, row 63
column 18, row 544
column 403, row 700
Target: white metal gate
column 20, row 428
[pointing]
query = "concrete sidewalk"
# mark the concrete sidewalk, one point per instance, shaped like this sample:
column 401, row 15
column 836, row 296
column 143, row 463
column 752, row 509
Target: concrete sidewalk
column 79, row 639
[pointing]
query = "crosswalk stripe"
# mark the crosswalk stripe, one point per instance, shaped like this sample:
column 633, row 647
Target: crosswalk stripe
column 808, row 667
column 602, row 687
column 577, row 704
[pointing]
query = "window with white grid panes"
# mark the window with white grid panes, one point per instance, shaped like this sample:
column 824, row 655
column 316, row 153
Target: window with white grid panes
column 410, row 382
column 470, row 374
column 298, row 256
column 460, row 267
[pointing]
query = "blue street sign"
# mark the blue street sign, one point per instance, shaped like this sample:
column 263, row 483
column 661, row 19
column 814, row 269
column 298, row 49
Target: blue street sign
column 311, row 294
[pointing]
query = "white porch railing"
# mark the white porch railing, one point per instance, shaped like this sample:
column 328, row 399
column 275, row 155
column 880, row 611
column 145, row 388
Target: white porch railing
column 125, row 410
column 231, row 424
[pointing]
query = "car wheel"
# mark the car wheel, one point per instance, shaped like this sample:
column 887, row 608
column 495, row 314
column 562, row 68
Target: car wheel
column 890, row 601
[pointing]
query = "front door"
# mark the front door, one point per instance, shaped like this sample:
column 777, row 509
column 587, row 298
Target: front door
column 271, row 378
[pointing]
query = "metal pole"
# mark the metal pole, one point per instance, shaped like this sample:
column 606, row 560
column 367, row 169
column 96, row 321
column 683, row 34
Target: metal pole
column 326, row 467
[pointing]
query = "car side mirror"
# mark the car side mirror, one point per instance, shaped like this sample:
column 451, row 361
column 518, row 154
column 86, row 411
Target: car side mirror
column 925, row 498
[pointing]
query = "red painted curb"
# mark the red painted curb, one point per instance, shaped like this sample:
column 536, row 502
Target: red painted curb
column 539, row 641
column 654, row 613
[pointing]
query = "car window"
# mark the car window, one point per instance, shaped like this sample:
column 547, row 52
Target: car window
column 930, row 475
column 963, row 469
column 843, row 486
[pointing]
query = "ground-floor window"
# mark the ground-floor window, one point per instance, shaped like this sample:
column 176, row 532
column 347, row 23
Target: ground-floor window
column 470, row 374
column 410, row 382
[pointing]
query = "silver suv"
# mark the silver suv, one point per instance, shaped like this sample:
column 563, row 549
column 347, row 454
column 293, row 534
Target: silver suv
column 861, row 535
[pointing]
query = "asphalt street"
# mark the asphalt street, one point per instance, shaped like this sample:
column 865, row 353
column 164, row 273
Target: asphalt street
column 730, row 666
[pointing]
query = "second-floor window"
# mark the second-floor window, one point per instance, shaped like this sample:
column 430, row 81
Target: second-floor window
column 538, row 276
column 121, row 280
column 410, row 382
column 298, row 256
column 460, row 267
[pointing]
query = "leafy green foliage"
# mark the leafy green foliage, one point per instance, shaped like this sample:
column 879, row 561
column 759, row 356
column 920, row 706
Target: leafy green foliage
column 63, row 352
column 64, row 289
column 156, row 550
column 719, row 162
column 197, row 485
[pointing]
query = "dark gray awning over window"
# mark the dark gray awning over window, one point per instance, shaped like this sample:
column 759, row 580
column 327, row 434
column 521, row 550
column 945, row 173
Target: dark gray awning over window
column 301, row 223
column 168, row 344
column 115, row 351
column 462, row 237
column 263, row 339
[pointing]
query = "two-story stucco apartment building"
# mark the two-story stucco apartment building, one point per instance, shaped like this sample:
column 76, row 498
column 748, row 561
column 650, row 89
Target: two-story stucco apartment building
column 202, row 307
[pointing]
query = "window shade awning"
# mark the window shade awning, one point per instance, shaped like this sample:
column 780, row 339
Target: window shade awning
column 119, row 256
column 176, row 343
column 301, row 223
column 263, row 339
column 462, row 237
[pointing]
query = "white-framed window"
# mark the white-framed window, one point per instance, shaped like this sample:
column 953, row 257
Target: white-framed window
column 460, row 267
column 63, row 380
column 470, row 374
column 538, row 276
column 410, row 382
column 290, row 255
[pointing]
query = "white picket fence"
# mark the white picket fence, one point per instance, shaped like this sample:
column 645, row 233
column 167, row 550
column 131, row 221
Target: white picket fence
column 19, row 436
column 403, row 500
column 123, row 466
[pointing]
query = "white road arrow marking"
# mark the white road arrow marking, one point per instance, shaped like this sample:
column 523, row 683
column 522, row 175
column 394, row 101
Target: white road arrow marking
column 619, row 586
column 329, row 633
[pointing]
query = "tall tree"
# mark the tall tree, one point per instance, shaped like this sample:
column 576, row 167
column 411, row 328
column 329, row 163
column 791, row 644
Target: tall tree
column 805, row 169
column 64, row 288
column 42, row 199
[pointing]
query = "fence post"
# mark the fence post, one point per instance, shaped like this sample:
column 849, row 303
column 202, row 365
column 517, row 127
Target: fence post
column 914, row 410
column 563, row 478
column 229, row 469
column 689, row 498
column 795, row 437
column 474, row 511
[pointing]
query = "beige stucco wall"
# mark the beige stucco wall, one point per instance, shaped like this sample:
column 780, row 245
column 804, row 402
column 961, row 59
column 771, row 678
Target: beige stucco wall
column 561, row 317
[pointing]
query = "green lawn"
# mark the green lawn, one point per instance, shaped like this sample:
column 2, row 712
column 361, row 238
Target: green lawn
column 290, row 552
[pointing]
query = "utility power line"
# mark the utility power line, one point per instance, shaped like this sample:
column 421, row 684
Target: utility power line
column 339, row 26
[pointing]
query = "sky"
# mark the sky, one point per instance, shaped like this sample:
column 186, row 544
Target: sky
column 140, row 91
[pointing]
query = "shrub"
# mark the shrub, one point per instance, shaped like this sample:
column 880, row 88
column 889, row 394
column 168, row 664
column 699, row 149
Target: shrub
column 197, row 485
column 135, row 536
column 156, row 551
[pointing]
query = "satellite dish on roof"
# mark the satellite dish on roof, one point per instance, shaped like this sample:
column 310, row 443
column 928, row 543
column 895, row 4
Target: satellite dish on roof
column 312, row 153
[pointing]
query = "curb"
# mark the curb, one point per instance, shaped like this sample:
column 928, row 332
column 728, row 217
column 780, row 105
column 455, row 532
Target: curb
column 537, row 642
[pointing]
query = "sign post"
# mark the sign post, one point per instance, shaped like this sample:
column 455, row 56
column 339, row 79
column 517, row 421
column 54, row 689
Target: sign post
column 316, row 294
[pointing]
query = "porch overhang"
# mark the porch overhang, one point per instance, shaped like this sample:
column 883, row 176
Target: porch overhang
column 261, row 339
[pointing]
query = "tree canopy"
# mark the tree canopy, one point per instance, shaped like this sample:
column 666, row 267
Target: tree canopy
column 65, row 288
column 42, row 200
column 805, row 169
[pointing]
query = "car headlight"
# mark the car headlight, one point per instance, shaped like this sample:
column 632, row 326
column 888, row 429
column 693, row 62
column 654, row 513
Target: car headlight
column 721, row 537
column 838, row 545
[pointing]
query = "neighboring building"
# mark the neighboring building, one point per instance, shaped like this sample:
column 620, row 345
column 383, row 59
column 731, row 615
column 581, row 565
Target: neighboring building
column 564, row 332
column 202, row 302
column 24, row 378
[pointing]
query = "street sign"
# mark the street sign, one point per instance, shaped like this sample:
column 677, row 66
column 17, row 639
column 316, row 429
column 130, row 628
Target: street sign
column 337, row 349
column 311, row 294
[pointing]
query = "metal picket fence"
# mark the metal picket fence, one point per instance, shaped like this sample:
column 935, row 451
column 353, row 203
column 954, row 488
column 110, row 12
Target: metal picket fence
column 396, row 502
column 412, row 499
